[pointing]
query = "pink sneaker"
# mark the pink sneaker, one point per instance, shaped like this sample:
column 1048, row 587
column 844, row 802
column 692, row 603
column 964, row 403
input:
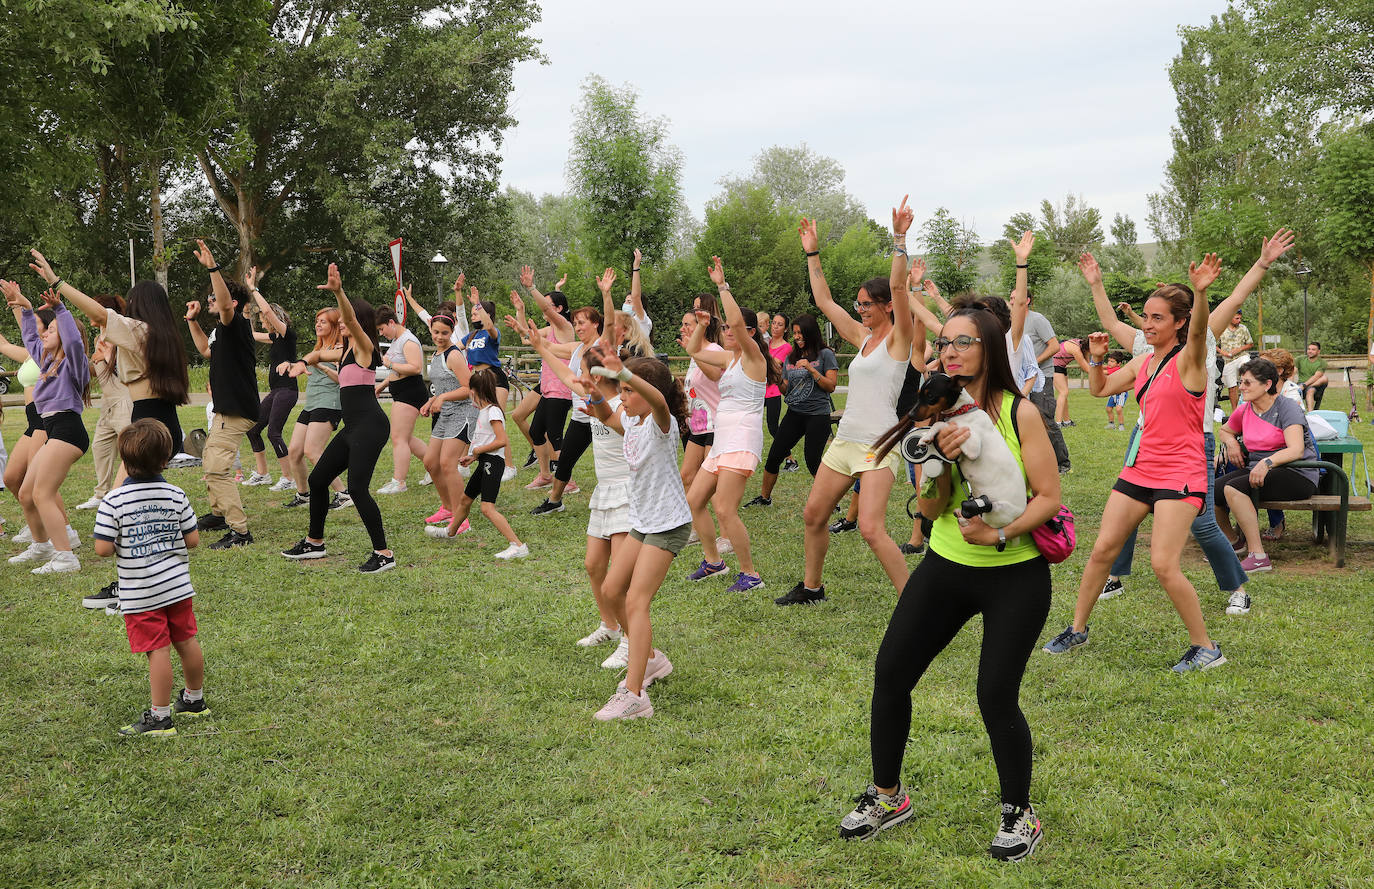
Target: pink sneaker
column 440, row 517
column 540, row 483
column 658, row 667
column 624, row 705
column 572, row 488
column 1252, row 563
column 462, row 529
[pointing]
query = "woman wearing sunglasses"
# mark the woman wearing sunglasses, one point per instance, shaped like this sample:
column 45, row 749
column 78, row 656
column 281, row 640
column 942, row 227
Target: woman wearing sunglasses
column 883, row 334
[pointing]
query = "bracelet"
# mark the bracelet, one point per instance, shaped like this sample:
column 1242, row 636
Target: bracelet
column 56, row 284
column 896, row 250
column 1092, row 363
column 634, row 270
column 1023, row 265
column 811, row 253
column 625, row 375
column 213, row 270
column 1262, row 265
column 598, row 401
column 1002, row 542
column 724, row 287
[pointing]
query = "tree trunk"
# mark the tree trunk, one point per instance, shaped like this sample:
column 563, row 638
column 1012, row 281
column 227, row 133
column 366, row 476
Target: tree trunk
column 248, row 226
column 159, row 245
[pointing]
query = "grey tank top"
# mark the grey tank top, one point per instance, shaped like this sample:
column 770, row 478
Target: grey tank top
column 442, row 380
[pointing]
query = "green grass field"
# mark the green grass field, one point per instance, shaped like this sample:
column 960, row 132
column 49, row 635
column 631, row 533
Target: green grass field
column 432, row 726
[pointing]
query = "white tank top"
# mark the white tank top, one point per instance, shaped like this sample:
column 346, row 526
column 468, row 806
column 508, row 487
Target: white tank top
column 875, row 382
column 579, row 408
column 739, row 415
column 612, row 470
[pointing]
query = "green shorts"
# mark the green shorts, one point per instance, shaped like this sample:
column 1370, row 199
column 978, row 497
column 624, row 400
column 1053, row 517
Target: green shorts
column 672, row 540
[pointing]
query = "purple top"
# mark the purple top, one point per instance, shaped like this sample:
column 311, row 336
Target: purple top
column 63, row 390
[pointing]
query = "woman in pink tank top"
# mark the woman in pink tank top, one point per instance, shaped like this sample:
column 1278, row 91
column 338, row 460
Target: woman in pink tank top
column 1165, row 470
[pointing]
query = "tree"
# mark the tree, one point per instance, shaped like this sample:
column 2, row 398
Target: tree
column 1043, row 258
column 1345, row 192
column 625, row 175
column 1123, row 255
column 757, row 241
column 1073, row 226
column 804, row 183
column 952, row 252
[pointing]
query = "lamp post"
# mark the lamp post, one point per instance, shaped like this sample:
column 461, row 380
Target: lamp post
column 439, row 262
column 1304, row 271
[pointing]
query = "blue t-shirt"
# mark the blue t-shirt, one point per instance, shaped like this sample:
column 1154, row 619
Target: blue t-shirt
column 482, row 348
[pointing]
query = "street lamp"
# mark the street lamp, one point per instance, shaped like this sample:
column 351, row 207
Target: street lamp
column 1304, row 271
column 439, row 262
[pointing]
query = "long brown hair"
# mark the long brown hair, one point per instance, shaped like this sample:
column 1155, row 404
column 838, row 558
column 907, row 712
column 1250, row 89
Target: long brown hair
column 656, row 374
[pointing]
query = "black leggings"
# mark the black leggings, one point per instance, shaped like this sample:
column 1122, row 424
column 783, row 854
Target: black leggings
column 772, row 407
column 355, row 448
column 276, row 407
column 575, row 443
column 814, row 427
column 940, row 597
column 549, row 416
column 1282, row 483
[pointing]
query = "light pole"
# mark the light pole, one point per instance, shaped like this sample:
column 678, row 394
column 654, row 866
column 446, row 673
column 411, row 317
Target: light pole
column 439, row 262
column 1304, row 271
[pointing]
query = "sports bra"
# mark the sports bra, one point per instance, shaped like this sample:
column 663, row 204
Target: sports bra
column 351, row 373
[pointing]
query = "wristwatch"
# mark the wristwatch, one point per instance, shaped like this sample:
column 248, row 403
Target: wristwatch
column 1269, row 461
column 1001, row 540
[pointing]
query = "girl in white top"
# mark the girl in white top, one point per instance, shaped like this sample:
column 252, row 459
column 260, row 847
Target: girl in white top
column 405, row 363
column 883, row 334
column 660, row 520
column 746, row 370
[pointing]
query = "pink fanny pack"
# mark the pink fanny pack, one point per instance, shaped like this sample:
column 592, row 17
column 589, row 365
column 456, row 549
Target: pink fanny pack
column 1056, row 538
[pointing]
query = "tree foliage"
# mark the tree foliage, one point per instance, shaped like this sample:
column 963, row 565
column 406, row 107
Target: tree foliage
column 952, row 251
column 804, row 183
column 1073, row 226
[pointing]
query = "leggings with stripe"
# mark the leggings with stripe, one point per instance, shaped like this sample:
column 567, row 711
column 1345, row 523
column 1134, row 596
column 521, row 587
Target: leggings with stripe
column 355, row 448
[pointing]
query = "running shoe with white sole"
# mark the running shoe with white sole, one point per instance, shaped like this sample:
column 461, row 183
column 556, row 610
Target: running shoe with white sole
column 1199, row 658
column 548, row 507
column 305, row 550
column 392, row 487
column 340, row 500
column 876, row 812
column 1239, row 603
column 257, row 479
column 377, row 563
column 425, row 480
column 298, row 500
column 1017, row 835
column 620, row 658
column 745, row 583
column 283, row 484
column 624, row 705
column 1068, row 640
column 93, row 503
column 601, row 634
column 707, row 569
column 514, row 551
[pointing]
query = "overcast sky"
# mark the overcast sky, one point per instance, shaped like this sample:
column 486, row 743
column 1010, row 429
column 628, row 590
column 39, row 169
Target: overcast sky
column 984, row 106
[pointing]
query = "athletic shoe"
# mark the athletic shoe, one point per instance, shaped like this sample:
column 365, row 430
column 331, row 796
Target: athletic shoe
column 113, row 609
column 514, row 551
column 62, row 562
column 1067, row 640
column 183, row 707
column 842, row 526
column 25, row 536
column 507, row 474
column 283, row 484
column 571, row 488
column 151, row 726
column 910, row 549
column 657, row 667
column 73, row 538
column 36, row 552
column 392, row 487
column 1111, row 425
column 759, row 501
column 1267, row 535
column 255, row 480
column 620, row 658
column 1239, row 545
column 540, row 483
column 441, row 516
column 601, row 634
column 441, row 531
column 1120, row 427
column 624, row 705
column 692, row 538
column 745, row 582
column 548, row 506
column 1111, row 589
column 377, row 563
column 211, row 522
column 93, row 503
column 109, row 594
column 425, row 480
column 704, row 570
column 1199, row 658
column 532, row 459
column 1239, row 603
column 723, row 546
column 1017, row 835
column 340, row 500
column 791, row 465
column 1069, row 423
column 183, row 461
column 232, row 539
column 298, row 499
column 305, row 550
column 1253, row 563
column 800, row 595
column 876, row 812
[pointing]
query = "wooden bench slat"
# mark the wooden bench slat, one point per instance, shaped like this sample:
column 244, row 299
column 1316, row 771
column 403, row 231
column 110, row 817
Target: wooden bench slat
column 1319, row 503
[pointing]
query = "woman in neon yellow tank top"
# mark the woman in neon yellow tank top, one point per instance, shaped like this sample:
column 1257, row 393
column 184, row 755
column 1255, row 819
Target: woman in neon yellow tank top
column 972, row 569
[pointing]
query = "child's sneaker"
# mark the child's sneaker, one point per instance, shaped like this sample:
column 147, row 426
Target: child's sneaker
column 876, row 812
column 745, row 582
column 62, row 562
column 36, row 552
column 151, row 726
column 601, row 634
column 514, row 551
column 707, row 569
column 620, row 658
column 182, row 707
column 1017, row 835
column 624, row 705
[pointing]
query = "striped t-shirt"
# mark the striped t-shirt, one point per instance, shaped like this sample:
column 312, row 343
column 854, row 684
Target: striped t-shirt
column 148, row 521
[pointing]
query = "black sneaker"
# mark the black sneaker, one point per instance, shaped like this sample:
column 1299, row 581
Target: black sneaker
column 340, row 500
column 183, row 707
column 1017, row 835
column 790, row 465
column 800, row 595
column 297, row 499
column 233, row 539
column 760, row 501
column 108, row 595
column 305, row 550
column 910, row 550
column 841, row 526
column 548, row 506
column 532, row 459
column 211, row 522
column 377, row 563
column 151, row 726
column 1111, row 589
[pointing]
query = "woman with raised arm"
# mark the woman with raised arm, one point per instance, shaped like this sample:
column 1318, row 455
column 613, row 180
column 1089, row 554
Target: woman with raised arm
column 405, row 364
column 322, row 413
column 358, row 445
column 780, row 347
column 114, row 410
column 701, row 383
column 1165, row 472
column 971, row 570
column 452, row 405
column 483, row 350
column 282, row 389
column 61, row 393
column 746, row 370
column 555, row 399
column 883, row 334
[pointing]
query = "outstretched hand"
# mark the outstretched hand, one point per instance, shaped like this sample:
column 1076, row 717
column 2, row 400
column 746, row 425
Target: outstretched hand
column 192, row 310
column 605, row 281
column 526, row 277
column 902, row 218
column 40, row 265
column 811, row 240
column 332, row 282
column 561, row 281
column 13, row 296
column 1097, row 345
column 916, row 273
column 1202, row 274
column 1092, row 272
column 1022, row 248
column 517, row 302
column 203, row 254
column 610, row 361
column 1274, row 247
column 931, row 288
column 250, row 278
column 51, row 299
column 639, row 258
column 716, row 271
column 458, row 287
column 474, row 295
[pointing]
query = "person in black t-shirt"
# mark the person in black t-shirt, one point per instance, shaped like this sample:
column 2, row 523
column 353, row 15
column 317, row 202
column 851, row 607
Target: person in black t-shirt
column 283, row 390
column 234, row 380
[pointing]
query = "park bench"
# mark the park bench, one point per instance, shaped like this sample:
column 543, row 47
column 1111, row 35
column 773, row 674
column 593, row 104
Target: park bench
column 1330, row 506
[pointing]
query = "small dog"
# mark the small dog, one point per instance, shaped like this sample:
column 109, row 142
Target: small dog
column 999, row 491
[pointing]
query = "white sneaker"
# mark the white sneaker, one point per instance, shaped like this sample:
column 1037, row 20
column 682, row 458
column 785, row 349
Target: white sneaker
column 283, row 484
column 257, row 479
column 60, row 563
column 37, row 552
column 392, row 487
column 73, row 538
column 24, row 536
column 693, row 538
column 620, row 658
column 601, row 634
column 465, row 471
column 514, row 551
column 508, row 474
column 93, row 503
column 723, row 545
column 1239, row 603
column 426, row 480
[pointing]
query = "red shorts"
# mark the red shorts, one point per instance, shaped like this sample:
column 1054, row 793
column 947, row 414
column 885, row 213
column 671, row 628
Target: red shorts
column 151, row 630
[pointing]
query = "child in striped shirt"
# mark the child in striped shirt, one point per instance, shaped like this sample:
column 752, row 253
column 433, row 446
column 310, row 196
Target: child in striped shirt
column 148, row 525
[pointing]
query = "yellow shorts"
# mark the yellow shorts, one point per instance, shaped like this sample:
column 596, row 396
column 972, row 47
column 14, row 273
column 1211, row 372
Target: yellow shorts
column 851, row 458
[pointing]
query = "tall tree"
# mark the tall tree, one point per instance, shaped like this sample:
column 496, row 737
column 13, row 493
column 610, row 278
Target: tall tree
column 1073, row 226
column 1345, row 191
column 1123, row 255
column 952, row 251
column 805, row 183
column 1043, row 258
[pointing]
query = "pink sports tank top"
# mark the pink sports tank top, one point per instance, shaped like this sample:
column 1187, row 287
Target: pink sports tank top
column 1171, row 453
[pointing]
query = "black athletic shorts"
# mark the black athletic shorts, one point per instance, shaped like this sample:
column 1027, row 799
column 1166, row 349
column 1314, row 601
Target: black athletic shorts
column 705, row 439
column 502, row 381
column 1151, row 496
column 164, row 412
column 410, row 390
column 35, row 421
column 67, row 426
column 485, row 481
column 320, row 415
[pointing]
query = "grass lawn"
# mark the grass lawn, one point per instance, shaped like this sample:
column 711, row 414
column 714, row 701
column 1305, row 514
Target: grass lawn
column 432, row 726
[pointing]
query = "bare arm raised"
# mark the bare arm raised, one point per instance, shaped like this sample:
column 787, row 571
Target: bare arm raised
column 1122, row 332
column 1271, row 250
column 845, row 324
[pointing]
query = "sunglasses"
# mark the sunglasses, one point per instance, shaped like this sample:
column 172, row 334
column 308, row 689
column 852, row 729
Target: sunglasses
column 960, row 343
column 863, row 307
